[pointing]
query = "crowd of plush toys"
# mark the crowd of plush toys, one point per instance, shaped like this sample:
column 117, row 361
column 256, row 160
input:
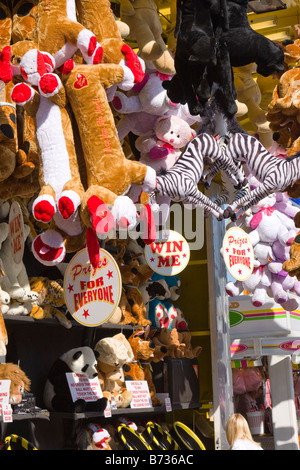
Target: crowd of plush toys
column 87, row 129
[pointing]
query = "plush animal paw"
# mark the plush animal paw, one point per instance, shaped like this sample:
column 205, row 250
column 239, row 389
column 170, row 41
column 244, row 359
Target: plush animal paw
column 88, row 45
column 48, row 248
column 68, row 203
column 5, row 68
column 128, row 79
column 150, row 182
column 124, row 212
column 102, row 219
column 49, row 84
column 22, row 93
column 43, row 208
column 134, row 63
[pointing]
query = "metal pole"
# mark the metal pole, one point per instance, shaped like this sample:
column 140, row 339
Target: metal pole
column 219, row 327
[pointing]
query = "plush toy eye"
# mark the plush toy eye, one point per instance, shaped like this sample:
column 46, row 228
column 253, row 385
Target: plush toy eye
column 178, row 136
column 172, row 132
column 21, row 388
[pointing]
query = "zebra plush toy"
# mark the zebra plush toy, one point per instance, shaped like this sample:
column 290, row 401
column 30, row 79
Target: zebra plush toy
column 274, row 173
column 180, row 182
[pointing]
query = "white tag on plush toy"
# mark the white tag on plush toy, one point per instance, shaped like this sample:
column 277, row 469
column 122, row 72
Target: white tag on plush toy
column 7, row 413
column 16, row 232
column 140, row 393
column 81, row 387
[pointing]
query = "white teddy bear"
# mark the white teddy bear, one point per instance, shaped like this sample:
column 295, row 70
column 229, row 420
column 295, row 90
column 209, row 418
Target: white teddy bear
column 15, row 281
column 160, row 151
column 145, row 102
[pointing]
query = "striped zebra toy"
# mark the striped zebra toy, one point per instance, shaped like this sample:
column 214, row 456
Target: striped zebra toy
column 274, row 174
column 180, row 182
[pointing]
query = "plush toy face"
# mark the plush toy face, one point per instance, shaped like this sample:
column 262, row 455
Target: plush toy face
column 174, row 131
column 142, row 348
column 81, row 361
column 16, row 392
column 113, row 352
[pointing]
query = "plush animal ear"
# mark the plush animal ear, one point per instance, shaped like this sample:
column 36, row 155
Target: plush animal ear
column 97, row 354
column 77, row 355
column 139, row 333
column 147, row 331
column 49, row 62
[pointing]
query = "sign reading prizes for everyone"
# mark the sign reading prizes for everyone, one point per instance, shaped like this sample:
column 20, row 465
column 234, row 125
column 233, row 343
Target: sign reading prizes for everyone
column 16, row 232
column 92, row 294
column 169, row 254
column 238, row 253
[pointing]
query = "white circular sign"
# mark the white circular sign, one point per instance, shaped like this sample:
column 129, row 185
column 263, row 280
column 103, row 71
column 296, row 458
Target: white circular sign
column 16, row 232
column 169, row 254
column 238, row 253
column 92, row 294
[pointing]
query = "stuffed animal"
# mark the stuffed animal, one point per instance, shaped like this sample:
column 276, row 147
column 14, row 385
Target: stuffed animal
column 134, row 296
column 162, row 312
column 178, row 344
column 24, row 20
column 201, row 56
column 50, row 300
column 109, row 180
column 61, row 189
column 292, row 265
column 274, row 173
column 114, row 352
column 248, row 92
column 15, row 282
column 246, row 46
column 93, row 437
column 19, row 382
column 106, row 29
column 144, row 352
column 142, row 18
column 57, row 395
column 283, row 112
column 146, row 101
column 163, row 149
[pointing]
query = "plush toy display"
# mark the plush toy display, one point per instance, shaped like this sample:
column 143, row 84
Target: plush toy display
column 142, row 18
column 57, row 395
column 283, row 111
column 144, row 352
column 19, row 382
column 271, row 242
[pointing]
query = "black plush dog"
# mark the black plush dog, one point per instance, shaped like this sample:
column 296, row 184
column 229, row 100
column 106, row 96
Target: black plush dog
column 201, row 56
column 246, row 45
column 212, row 36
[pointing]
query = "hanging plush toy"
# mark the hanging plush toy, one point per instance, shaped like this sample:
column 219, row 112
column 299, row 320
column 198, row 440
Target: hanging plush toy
column 142, row 18
column 274, row 174
column 180, row 182
column 201, row 56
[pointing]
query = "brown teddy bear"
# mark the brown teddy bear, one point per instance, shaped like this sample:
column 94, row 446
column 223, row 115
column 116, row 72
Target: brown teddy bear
column 19, row 384
column 178, row 344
